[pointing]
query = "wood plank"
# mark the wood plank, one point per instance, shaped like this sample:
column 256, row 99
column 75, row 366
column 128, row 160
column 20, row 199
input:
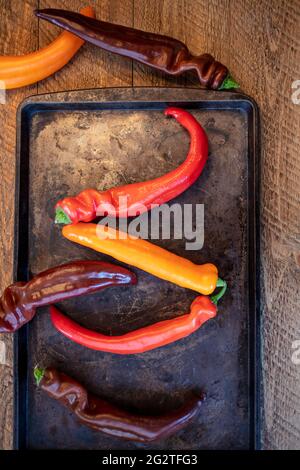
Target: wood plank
column 266, row 60
column 90, row 67
column 18, row 35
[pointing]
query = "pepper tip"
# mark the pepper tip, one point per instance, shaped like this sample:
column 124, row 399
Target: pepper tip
column 172, row 111
column 61, row 217
column 215, row 298
column 38, row 373
column 229, row 83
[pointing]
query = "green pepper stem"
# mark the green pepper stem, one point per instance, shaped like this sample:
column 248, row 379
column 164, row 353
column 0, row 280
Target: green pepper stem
column 38, row 373
column 61, row 217
column 215, row 298
column 229, row 83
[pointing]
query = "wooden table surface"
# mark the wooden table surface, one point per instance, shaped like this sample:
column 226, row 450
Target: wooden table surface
column 259, row 41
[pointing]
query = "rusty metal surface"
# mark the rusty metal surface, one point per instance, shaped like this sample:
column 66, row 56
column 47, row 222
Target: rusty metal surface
column 86, row 140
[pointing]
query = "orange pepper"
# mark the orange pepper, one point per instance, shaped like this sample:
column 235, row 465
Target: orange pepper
column 144, row 255
column 18, row 71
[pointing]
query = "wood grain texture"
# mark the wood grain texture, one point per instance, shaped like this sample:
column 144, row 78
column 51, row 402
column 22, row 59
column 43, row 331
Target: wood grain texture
column 260, row 43
column 91, row 67
column 270, row 37
column 24, row 27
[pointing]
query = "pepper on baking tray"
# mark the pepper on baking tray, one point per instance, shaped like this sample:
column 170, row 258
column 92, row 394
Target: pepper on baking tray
column 144, row 255
column 19, row 301
column 110, row 419
column 139, row 197
column 144, row 339
column 155, row 50
column 18, row 71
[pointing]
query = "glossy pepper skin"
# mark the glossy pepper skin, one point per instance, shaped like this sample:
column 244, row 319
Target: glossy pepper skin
column 19, row 71
column 103, row 416
column 141, row 340
column 19, row 301
column 144, row 255
column 155, row 50
column 137, row 198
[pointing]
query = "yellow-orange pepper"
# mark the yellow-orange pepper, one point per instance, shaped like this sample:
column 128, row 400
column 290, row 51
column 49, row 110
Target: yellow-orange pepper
column 144, row 255
column 18, row 71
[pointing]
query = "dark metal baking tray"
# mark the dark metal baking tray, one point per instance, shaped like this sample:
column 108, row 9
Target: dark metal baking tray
column 101, row 138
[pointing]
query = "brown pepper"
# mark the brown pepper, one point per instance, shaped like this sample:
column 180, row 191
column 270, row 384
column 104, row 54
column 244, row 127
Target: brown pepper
column 20, row 300
column 159, row 52
column 103, row 416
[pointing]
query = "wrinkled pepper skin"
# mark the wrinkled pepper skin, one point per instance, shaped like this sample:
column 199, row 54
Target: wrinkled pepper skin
column 143, row 339
column 19, row 301
column 19, row 71
column 136, row 198
column 155, row 50
column 100, row 415
column 144, row 255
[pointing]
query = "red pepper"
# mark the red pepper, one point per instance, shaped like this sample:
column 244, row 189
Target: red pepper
column 143, row 339
column 137, row 198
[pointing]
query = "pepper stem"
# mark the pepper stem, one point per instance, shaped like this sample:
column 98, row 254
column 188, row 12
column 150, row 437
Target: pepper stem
column 61, row 217
column 229, row 83
column 38, row 373
column 215, row 298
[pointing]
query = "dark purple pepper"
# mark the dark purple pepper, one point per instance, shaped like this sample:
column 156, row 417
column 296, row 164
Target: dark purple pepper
column 19, row 301
column 102, row 416
column 159, row 52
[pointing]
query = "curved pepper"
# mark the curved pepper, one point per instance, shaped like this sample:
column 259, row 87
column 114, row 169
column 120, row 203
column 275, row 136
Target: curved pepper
column 136, row 198
column 144, row 255
column 19, row 301
column 18, row 71
column 141, row 340
column 103, row 416
column 159, row 52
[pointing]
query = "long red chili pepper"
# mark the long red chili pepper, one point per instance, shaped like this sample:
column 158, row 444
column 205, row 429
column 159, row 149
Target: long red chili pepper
column 137, row 198
column 100, row 415
column 19, row 301
column 143, row 339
